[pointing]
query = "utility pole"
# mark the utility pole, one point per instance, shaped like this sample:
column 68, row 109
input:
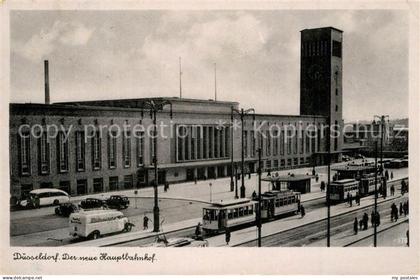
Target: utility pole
column 328, row 182
column 382, row 120
column 376, row 196
column 259, row 198
column 232, row 184
column 155, row 106
column 215, row 84
column 180, row 79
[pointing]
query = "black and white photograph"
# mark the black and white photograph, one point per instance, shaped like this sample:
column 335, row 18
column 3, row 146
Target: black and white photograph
column 134, row 130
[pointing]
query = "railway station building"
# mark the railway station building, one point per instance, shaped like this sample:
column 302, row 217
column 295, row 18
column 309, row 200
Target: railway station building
column 86, row 147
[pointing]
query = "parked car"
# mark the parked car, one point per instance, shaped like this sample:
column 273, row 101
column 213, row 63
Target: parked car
column 118, row 202
column 65, row 209
column 91, row 203
column 47, row 196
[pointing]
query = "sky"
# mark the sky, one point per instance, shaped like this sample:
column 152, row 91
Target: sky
column 133, row 54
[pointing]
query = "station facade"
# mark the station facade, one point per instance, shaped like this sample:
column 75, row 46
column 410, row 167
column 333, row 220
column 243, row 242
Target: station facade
column 106, row 145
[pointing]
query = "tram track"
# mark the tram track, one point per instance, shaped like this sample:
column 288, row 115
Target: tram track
column 315, row 231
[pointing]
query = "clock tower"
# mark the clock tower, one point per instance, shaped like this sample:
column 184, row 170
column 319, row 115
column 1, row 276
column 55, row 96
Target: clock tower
column 321, row 77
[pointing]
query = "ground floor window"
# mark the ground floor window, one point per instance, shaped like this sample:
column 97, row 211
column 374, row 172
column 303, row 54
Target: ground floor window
column 98, row 185
column 295, row 161
column 289, row 162
column 113, row 183
column 65, row 186
column 81, row 187
column 128, row 182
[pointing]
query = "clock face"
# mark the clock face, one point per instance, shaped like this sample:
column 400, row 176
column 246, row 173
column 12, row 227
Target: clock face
column 315, row 72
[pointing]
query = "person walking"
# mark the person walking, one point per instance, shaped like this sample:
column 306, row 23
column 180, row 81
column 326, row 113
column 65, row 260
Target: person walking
column 387, row 175
column 360, row 224
column 302, row 211
column 392, row 175
column 355, row 225
column 316, row 178
column 405, row 206
column 145, row 222
column 351, row 200
column 372, row 219
column 322, row 186
column 392, row 212
column 392, row 189
column 377, row 219
column 401, row 209
column 357, row 198
column 365, row 221
column 254, row 195
column 198, row 230
column 348, row 198
column 227, row 236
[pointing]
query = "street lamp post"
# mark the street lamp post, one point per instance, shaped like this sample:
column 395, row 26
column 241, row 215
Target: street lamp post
column 242, row 113
column 259, row 198
column 376, row 196
column 382, row 120
column 232, row 184
column 328, row 182
column 155, row 106
column 210, row 185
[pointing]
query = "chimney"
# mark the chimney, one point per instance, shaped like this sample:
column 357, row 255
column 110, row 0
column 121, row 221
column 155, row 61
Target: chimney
column 47, row 83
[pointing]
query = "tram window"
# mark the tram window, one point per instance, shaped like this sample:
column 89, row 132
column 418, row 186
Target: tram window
column 293, row 199
column 235, row 213
column 281, row 202
column 230, row 214
column 241, row 211
column 246, row 211
column 277, row 203
column 251, row 209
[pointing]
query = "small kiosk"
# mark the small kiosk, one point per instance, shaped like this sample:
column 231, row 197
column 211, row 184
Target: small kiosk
column 297, row 183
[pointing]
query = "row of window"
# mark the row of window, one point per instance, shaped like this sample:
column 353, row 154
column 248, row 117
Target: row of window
column 278, row 146
column 321, row 48
column 63, row 148
column 202, row 142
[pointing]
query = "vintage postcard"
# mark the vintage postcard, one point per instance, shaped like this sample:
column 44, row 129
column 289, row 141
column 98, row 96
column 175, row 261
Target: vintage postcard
column 209, row 137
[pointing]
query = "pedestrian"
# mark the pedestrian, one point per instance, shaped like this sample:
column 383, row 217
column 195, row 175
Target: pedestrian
column 195, row 180
column 355, row 224
column 357, row 198
column 361, row 224
column 254, row 195
column 351, row 200
column 313, row 172
column 167, row 185
column 198, row 230
column 405, row 206
column 392, row 212
column 249, row 175
column 165, row 188
column 401, row 209
column 268, row 174
column 317, row 178
column 392, row 175
column 392, row 190
column 403, row 186
column 378, row 219
column 322, row 186
column 227, row 236
column 302, row 211
column 145, row 222
column 365, row 221
column 372, row 218
column 387, row 175
column 348, row 198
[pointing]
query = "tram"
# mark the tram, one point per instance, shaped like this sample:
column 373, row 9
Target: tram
column 228, row 214
column 341, row 188
column 277, row 203
column 367, row 184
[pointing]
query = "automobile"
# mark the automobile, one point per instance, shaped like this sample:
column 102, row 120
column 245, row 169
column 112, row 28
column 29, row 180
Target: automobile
column 346, row 158
column 45, row 196
column 96, row 223
column 65, row 209
column 359, row 156
column 92, row 203
column 118, row 202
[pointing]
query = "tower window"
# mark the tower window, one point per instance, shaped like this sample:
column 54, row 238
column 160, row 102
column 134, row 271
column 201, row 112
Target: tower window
column 336, row 108
column 336, row 49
